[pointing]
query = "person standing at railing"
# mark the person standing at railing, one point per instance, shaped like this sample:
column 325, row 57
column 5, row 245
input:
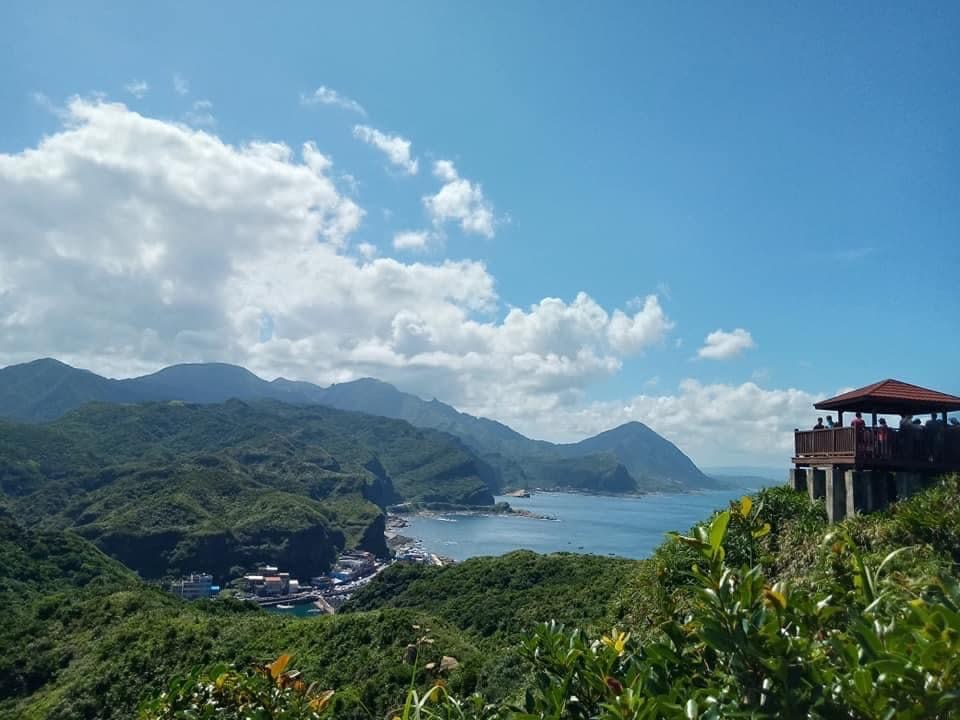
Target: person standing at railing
column 883, row 439
column 830, row 423
column 859, row 436
column 933, row 438
column 909, row 439
column 819, row 425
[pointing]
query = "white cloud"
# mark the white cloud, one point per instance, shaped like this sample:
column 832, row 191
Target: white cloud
column 411, row 240
column 631, row 333
column 716, row 424
column 131, row 243
column 459, row 200
column 200, row 114
column 327, row 96
column 721, row 345
column 367, row 251
column 180, row 84
column 137, row 88
column 396, row 148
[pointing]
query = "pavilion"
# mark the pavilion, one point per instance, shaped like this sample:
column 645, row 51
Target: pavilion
column 861, row 468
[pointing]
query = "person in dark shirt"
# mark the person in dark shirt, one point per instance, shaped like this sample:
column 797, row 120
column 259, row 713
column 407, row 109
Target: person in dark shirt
column 857, row 421
column 819, row 425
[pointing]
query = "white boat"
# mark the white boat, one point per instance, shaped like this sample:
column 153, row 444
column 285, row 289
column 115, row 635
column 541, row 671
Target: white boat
column 284, row 607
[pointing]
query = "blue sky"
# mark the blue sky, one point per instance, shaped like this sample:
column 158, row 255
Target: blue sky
column 790, row 170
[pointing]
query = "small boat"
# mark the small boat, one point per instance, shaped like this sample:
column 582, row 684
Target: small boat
column 284, row 607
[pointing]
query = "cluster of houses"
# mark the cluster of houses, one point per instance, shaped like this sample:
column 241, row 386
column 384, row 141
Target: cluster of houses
column 268, row 581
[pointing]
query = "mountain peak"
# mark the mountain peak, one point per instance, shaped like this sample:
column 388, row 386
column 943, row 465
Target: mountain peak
column 210, row 368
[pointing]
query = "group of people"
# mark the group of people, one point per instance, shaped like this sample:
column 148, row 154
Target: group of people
column 915, row 436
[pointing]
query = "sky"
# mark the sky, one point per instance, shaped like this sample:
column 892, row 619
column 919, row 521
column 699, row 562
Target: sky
column 563, row 216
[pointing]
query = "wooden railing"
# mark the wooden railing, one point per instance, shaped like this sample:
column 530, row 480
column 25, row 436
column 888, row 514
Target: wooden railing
column 869, row 443
column 832, row 441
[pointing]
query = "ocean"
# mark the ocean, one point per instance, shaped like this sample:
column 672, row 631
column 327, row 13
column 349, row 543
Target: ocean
column 601, row 524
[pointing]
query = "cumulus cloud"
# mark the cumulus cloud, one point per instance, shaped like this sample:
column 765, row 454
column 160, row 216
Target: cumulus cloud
column 459, row 200
column 328, row 96
column 367, row 251
column 631, row 333
column 721, row 345
column 180, row 84
column 136, row 243
column 131, row 243
column 411, row 240
column 396, row 148
column 137, row 88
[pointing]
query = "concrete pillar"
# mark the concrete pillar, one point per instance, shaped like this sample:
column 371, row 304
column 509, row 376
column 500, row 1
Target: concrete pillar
column 836, row 495
column 878, row 490
column 857, row 491
column 908, row 483
column 799, row 479
column 818, row 483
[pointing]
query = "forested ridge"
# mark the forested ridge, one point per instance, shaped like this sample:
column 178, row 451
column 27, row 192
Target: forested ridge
column 172, row 487
column 630, row 458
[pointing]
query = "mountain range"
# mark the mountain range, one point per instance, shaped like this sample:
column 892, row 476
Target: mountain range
column 628, row 458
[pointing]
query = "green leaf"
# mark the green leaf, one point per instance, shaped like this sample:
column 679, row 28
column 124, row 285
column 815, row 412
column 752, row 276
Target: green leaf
column 718, row 529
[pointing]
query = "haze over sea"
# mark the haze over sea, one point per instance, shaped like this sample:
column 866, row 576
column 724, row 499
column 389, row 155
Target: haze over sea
column 626, row 526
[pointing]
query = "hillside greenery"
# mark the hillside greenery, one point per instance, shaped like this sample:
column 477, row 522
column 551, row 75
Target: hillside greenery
column 97, row 643
column 500, row 597
column 760, row 611
column 864, row 624
column 631, row 458
column 172, row 487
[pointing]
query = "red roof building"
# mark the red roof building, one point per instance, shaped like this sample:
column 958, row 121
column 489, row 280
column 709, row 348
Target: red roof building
column 892, row 397
column 869, row 462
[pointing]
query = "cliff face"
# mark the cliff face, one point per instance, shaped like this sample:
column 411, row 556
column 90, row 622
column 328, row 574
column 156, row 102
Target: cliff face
column 303, row 553
column 373, row 539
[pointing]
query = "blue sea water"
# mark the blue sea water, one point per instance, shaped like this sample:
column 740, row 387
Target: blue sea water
column 601, row 524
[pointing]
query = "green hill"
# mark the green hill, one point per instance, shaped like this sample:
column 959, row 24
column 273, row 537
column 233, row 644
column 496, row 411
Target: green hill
column 171, row 487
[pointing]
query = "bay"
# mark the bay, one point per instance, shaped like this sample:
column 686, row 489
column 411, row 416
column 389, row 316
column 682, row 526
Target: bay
column 628, row 527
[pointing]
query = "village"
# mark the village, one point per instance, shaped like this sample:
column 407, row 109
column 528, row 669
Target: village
column 271, row 587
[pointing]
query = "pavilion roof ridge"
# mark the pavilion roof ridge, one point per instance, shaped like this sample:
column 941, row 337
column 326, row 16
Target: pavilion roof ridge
column 892, row 396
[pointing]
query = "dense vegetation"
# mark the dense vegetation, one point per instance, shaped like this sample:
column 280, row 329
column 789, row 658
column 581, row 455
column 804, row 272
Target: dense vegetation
column 88, row 640
column 500, row 597
column 763, row 611
column 171, row 487
column 630, row 458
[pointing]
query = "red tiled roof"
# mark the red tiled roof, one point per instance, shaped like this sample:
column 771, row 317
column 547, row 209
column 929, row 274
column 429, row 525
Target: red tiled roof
column 892, row 396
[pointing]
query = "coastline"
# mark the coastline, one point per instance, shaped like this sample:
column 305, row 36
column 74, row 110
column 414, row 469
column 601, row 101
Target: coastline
column 598, row 523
